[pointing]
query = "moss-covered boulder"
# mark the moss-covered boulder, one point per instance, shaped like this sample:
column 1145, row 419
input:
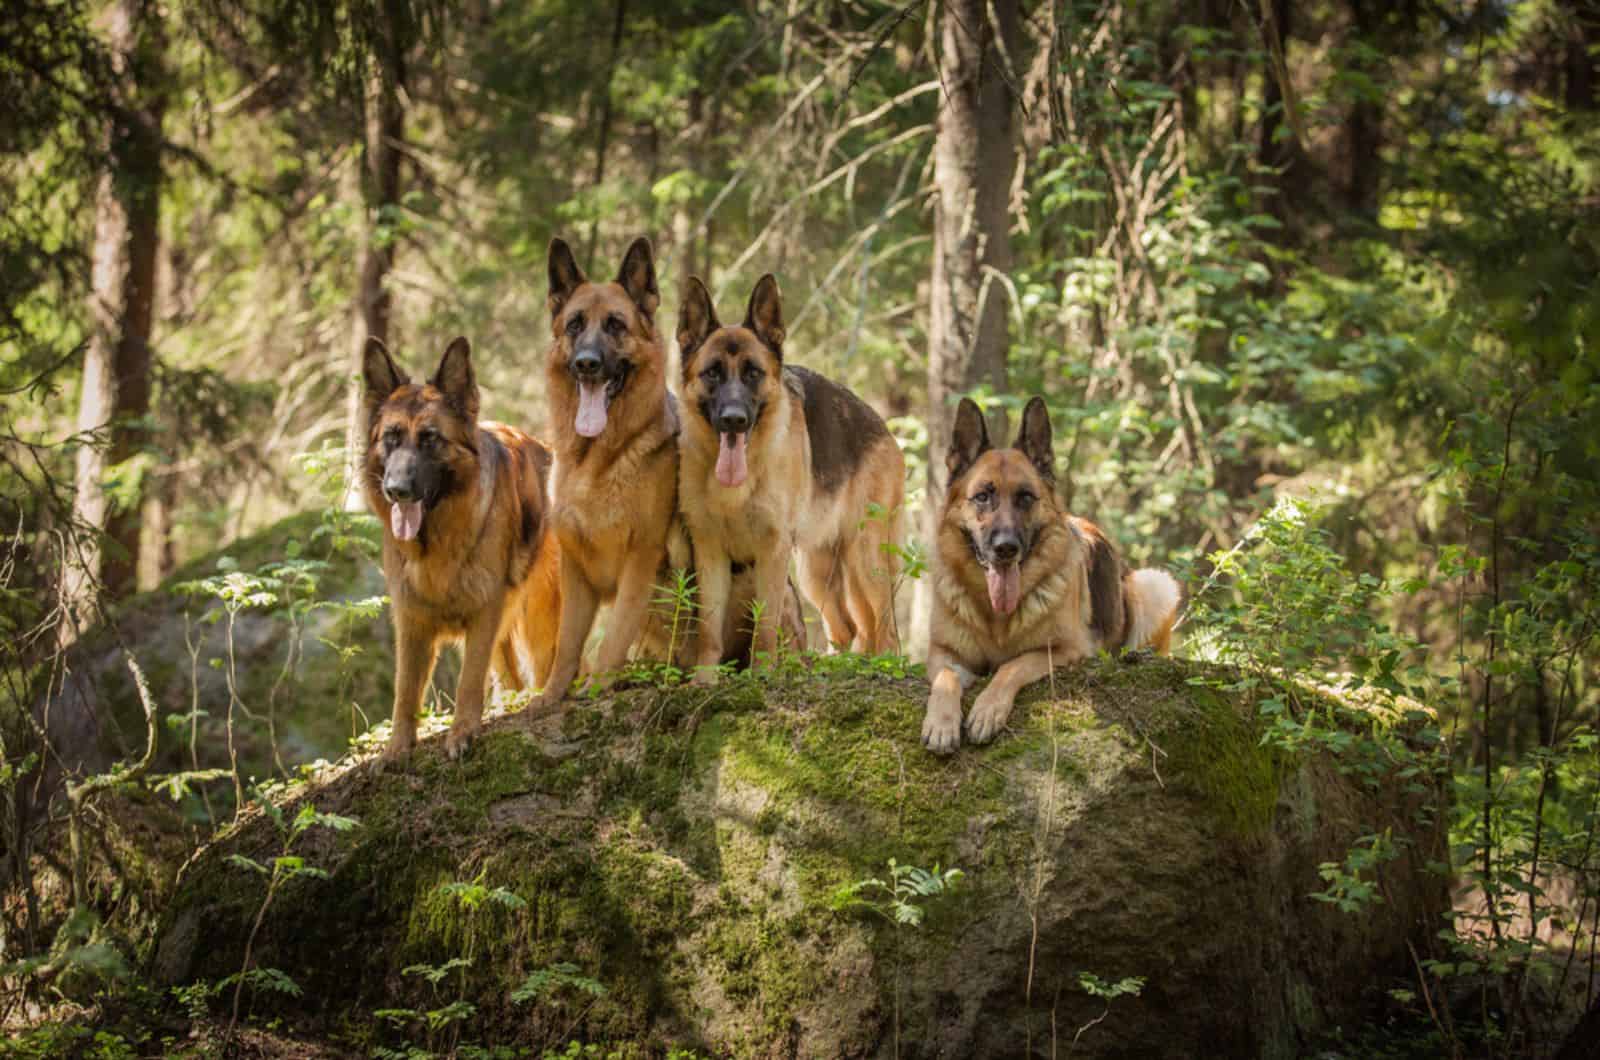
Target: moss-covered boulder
column 669, row 864
column 309, row 668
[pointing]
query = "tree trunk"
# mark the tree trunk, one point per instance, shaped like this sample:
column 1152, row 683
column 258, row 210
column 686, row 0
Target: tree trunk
column 115, row 397
column 380, row 193
column 1277, row 147
column 1578, row 91
column 1363, row 125
column 974, row 160
column 603, row 144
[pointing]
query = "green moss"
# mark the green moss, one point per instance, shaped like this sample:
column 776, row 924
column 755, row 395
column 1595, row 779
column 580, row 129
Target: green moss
column 847, row 770
column 1218, row 750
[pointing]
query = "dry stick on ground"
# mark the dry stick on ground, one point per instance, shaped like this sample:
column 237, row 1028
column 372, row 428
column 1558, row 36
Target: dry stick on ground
column 1073, row 1045
column 79, row 793
column 249, row 946
column 1427, row 996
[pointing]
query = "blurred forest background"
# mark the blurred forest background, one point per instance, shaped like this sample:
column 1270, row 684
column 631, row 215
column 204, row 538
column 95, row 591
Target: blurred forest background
column 1340, row 252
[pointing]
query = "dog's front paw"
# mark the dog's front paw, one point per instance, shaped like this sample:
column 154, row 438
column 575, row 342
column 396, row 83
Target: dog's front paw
column 459, row 740
column 394, row 757
column 989, row 715
column 941, row 727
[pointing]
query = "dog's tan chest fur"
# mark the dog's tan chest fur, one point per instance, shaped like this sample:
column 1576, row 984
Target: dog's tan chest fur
column 602, row 513
column 764, row 512
column 1053, row 614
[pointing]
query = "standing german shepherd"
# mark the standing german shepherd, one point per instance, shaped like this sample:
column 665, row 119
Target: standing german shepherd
column 615, row 428
column 466, row 553
column 775, row 458
column 1022, row 585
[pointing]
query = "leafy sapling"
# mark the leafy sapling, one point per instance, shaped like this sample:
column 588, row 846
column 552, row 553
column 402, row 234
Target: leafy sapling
column 284, row 867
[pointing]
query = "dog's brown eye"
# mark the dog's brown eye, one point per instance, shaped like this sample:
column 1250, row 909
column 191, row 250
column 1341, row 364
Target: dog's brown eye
column 391, row 437
column 429, row 437
column 575, row 324
column 984, row 497
column 752, row 373
column 1025, row 500
column 615, row 324
column 713, row 374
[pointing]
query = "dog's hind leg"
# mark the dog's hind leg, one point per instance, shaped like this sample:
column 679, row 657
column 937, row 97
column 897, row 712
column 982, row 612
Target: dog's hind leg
column 540, row 613
column 869, row 596
column 507, row 665
column 822, row 581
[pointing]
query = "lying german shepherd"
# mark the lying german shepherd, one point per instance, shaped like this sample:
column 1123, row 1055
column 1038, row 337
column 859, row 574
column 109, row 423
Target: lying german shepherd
column 465, row 548
column 775, row 458
column 1022, row 585
column 615, row 431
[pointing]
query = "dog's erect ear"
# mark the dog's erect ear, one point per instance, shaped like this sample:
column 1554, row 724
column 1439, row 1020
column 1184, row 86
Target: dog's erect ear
column 697, row 318
column 455, row 378
column 638, row 277
column 379, row 372
column 565, row 276
column 968, row 441
column 380, row 377
column 1034, row 439
column 764, row 315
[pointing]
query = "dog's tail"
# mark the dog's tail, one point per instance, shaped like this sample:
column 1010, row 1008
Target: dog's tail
column 1152, row 600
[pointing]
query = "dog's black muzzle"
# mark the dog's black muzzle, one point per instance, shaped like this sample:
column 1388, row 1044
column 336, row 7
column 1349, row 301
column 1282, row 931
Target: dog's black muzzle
column 1005, row 546
column 408, row 476
column 732, row 409
column 588, row 362
column 1001, row 546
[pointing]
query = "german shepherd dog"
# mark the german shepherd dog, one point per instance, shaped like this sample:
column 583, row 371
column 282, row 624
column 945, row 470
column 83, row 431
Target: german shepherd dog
column 776, row 458
column 615, row 432
column 1023, row 585
column 466, row 552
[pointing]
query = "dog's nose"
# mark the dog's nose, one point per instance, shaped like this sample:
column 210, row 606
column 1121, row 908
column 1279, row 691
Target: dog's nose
column 1006, row 546
column 733, row 421
column 587, row 362
column 399, row 491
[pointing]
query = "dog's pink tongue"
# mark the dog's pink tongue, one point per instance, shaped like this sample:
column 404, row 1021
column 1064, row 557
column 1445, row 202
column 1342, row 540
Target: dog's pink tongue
column 591, row 418
column 731, row 468
column 1005, row 588
column 406, row 519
